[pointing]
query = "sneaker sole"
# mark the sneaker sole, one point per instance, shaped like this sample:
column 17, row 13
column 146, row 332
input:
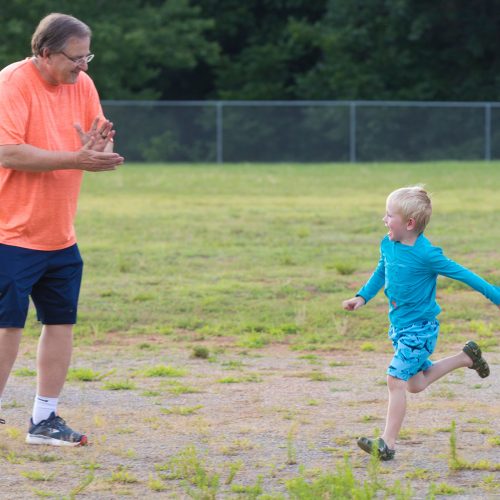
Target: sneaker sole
column 48, row 441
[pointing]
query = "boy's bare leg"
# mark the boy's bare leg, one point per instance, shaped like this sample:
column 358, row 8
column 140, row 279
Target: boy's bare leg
column 10, row 339
column 397, row 391
column 396, row 410
column 422, row 380
column 53, row 358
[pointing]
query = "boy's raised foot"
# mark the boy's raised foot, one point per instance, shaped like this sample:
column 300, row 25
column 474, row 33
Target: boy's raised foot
column 383, row 451
column 54, row 432
column 478, row 362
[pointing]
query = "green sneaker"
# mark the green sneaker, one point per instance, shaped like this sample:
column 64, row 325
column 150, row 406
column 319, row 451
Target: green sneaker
column 383, row 451
column 478, row 362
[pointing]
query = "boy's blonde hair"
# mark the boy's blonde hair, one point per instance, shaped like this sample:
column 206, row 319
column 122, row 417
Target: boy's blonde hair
column 413, row 203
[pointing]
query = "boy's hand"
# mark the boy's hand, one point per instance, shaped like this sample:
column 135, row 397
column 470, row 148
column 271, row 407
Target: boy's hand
column 354, row 303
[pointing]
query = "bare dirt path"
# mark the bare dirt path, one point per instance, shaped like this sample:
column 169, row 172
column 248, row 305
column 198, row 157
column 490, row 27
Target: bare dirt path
column 254, row 420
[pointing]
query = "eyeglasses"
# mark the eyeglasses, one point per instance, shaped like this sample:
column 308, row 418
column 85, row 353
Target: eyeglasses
column 79, row 60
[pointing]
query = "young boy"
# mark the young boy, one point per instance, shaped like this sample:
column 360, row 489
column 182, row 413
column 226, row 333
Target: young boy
column 408, row 269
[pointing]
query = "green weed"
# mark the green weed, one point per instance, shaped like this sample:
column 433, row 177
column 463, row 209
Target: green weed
column 155, row 484
column 234, row 468
column 187, row 467
column 237, row 446
column 240, row 380
column 342, row 484
column 201, row 352
column 163, row 371
column 38, row 475
column 251, row 491
column 150, row 393
column 119, row 385
column 181, row 410
column 122, row 475
column 494, row 441
column 86, row 375
column 176, row 388
column 233, row 365
column 444, row 489
column 43, row 494
column 345, row 268
column 291, row 451
column 24, row 372
column 367, row 346
column 80, row 487
column 457, row 463
column 422, row 474
column 12, row 404
column 321, row 377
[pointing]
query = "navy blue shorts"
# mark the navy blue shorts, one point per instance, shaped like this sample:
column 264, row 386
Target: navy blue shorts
column 51, row 278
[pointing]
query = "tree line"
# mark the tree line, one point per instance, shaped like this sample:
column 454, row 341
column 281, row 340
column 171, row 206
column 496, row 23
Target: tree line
column 443, row 50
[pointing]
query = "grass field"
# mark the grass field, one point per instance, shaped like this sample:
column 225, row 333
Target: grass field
column 241, row 258
column 267, row 252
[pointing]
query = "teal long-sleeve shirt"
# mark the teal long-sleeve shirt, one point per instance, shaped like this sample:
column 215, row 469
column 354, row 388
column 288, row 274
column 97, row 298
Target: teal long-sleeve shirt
column 409, row 277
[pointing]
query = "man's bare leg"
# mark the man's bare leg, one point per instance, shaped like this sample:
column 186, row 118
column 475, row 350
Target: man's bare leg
column 53, row 359
column 10, row 339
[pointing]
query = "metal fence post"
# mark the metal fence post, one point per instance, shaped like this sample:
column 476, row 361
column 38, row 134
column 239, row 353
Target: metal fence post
column 220, row 136
column 191, row 136
column 352, row 132
column 487, row 132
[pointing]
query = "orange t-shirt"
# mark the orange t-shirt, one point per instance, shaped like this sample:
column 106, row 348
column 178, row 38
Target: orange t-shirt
column 37, row 209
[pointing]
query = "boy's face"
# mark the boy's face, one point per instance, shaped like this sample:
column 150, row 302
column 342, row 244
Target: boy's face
column 393, row 220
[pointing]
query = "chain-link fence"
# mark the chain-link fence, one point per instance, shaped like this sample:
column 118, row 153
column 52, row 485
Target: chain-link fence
column 304, row 131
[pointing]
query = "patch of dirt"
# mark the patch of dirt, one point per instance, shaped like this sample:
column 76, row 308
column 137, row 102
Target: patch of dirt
column 264, row 413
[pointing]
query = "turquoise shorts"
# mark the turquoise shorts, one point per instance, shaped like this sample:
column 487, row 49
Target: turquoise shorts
column 413, row 345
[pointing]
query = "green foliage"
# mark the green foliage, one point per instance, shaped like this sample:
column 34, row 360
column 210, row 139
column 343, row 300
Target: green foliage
column 189, row 468
column 36, row 475
column 139, row 46
column 119, row 385
column 292, row 49
column 201, row 352
column 163, row 371
column 181, row 410
column 86, row 374
column 343, row 484
column 122, row 475
column 249, row 491
column 24, row 372
column 457, row 463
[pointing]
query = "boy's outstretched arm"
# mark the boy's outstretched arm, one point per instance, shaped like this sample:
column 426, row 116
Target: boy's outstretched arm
column 354, row 303
column 451, row 269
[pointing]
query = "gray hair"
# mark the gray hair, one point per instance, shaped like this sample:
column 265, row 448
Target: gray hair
column 55, row 30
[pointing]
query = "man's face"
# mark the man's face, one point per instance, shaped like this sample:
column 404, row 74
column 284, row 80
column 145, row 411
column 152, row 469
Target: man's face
column 64, row 67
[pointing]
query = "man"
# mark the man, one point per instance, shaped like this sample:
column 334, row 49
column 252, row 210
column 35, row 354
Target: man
column 51, row 130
